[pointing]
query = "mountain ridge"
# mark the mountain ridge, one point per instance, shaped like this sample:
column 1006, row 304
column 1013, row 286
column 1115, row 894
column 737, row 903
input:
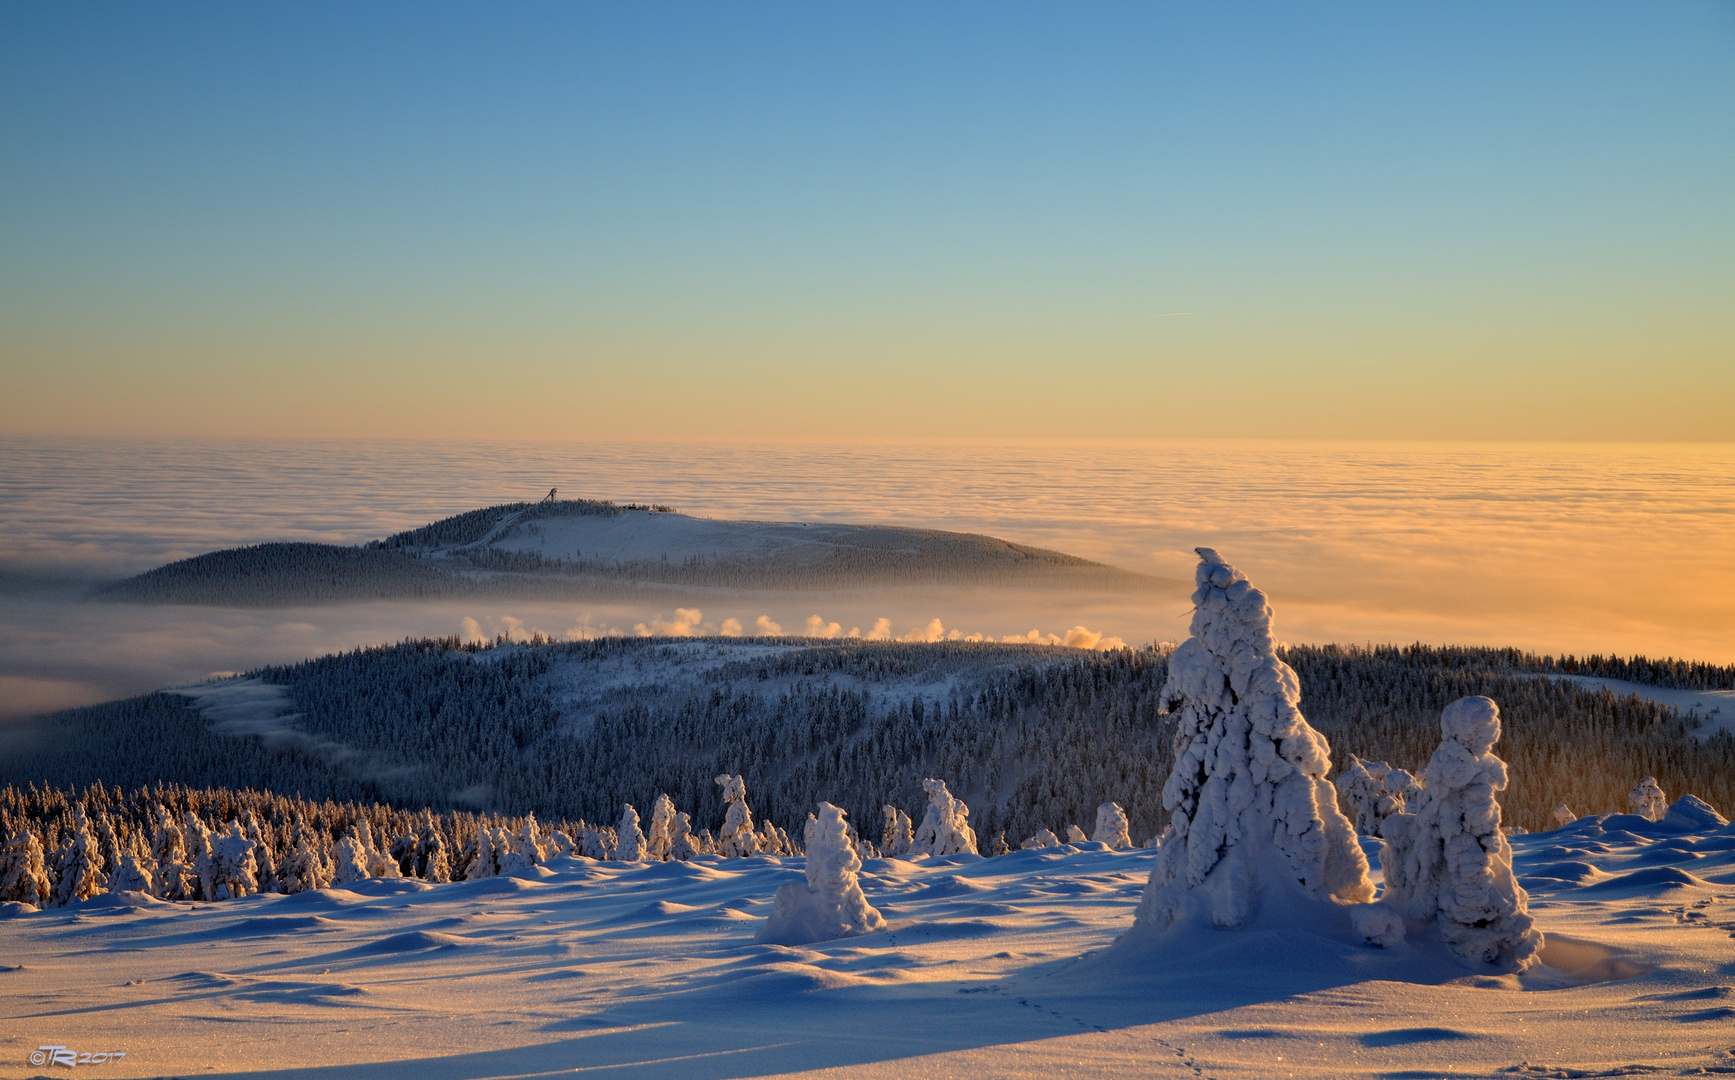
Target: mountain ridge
column 586, row 547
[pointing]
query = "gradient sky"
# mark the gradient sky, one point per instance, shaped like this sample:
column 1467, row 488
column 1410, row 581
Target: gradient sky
column 713, row 221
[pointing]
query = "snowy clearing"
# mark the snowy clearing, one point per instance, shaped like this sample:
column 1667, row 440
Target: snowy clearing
column 652, row 970
column 1714, row 708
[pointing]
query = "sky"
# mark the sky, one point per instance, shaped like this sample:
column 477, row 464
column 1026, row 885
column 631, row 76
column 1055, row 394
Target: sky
column 717, row 222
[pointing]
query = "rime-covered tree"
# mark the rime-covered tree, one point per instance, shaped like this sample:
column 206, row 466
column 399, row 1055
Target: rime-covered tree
column 737, row 838
column 897, row 834
column 1111, row 826
column 945, row 828
column 683, row 845
column 1041, row 838
column 23, row 874
column 527, row 843
column 304, row 868
column 376, row 855
column 773, row 841
column 631, row 845
column 198, row 839
column 264, row 857
column 351, row 858
column 176, row 878
column 1248, row 800
column 1361, row 783
column 233, row 864
column 594, row 843
column 831, row 903
column 1447, row 864
column 135, row 872
column 1647, row 799
column 432, row 863
column 659, row 841
column 81, row 875
column 1398, row 788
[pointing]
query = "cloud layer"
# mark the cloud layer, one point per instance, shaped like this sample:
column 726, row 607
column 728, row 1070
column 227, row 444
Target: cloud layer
column 1556, row 548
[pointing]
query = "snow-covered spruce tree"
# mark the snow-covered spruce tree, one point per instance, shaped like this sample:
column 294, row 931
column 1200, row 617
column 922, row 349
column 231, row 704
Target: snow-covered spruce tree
column 135, row 873
column 831, row 904
column 106, row 842
column 945, row 828
column 1563, row 816
column 510, row 854
column 1075, row 835
column 896, row 833
column 1361, row 783
column 403, row 853
column 1447, row 864
column 23, row 872
column 527, row 842
column 562, row 846
column 773, row 841
column 1250, row 807
column 1398, row 789
column 1647, row 799
column 265, row 861
column 1040, row 839
column 351, row 857
column 233, row 865
column 593, row 842
column 1111, row 826
column 81, row 875
column 737, row 838
column 432, row 863
column 630, row 846
column 176, row 879
column 492, row 855
column 683, row 845
column 380, row 862
column 198, row 838
column 660, row 840
column 302, row 870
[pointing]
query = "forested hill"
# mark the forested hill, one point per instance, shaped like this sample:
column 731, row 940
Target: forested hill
column 580, row 547
column 1031, row 737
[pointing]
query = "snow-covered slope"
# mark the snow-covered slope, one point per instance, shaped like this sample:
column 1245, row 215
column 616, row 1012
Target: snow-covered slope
column 1714, row 709
column 651, row 970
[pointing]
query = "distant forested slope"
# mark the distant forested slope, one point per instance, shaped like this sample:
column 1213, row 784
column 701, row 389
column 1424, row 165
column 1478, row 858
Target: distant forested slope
column 583, row 547
column 1030, row 737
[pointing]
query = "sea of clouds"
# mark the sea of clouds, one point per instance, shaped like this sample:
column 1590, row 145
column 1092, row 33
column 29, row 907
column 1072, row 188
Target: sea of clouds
column 1553, row 547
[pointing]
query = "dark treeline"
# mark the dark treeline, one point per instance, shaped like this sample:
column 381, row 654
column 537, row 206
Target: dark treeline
column 283, row 574
column 474, row 526
column 1029, row 737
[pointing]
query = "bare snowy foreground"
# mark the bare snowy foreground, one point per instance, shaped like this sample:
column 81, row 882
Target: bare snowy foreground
column 989, row 967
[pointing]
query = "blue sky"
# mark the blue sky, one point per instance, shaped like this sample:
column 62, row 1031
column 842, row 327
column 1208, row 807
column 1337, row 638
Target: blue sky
column 583, row 221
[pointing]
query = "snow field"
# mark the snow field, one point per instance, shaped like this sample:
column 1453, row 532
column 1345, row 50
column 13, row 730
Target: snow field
column 987, row 967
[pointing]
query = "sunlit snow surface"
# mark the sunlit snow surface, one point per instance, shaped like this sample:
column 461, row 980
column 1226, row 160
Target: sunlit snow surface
column 651, row 970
